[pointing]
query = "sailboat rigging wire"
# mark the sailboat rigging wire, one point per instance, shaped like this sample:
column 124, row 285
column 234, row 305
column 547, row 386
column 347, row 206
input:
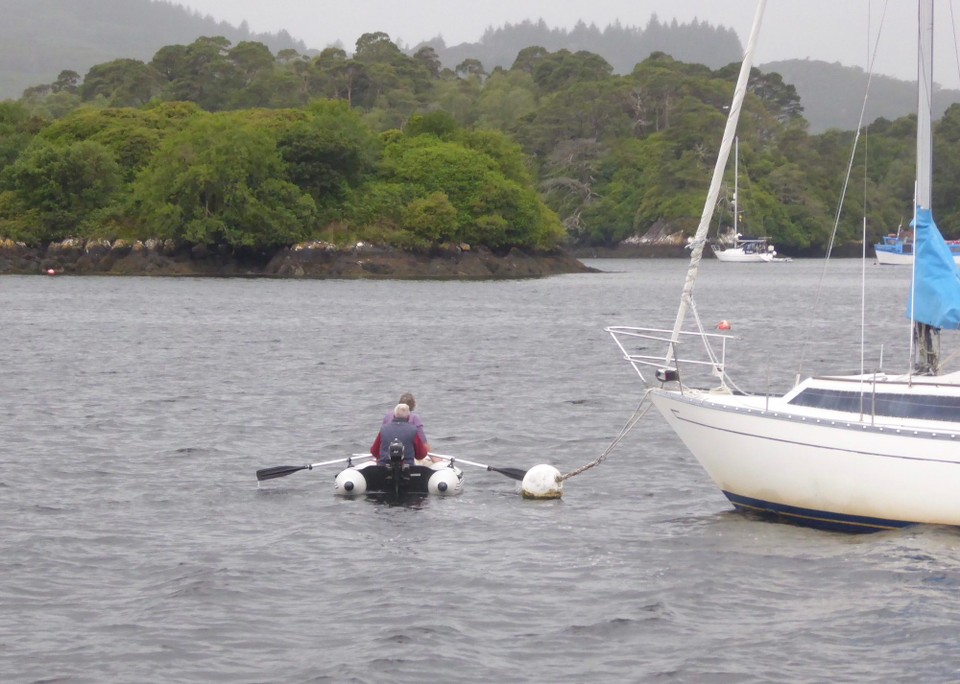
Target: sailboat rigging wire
column 843, row 193
column 638, row 413
column 863, row 261
column 956, row 51
column 725, row 380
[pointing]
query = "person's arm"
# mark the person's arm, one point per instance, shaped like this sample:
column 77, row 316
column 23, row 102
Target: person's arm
column 417, row 423
column 419, row 447
column 375, row 449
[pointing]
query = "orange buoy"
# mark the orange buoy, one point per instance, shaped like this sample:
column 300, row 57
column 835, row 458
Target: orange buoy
column 723, row 325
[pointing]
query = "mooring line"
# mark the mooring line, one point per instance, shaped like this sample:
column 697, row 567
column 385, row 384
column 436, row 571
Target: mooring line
column 639, row 413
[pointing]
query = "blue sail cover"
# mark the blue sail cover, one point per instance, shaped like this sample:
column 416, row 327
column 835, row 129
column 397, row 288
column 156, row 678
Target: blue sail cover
column 936, row 278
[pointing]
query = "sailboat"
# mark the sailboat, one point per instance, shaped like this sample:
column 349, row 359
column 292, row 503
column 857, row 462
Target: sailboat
column 855, row 453
column 749, row 250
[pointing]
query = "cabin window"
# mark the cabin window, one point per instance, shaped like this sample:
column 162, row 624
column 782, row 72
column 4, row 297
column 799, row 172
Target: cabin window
column 925, row 407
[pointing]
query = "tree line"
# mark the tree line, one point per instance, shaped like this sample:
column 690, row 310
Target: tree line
column 219, row 143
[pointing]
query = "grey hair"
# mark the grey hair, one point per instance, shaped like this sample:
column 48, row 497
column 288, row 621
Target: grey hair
column 401, row 411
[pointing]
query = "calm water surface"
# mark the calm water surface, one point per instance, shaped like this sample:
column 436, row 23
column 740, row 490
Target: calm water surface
column 135, row 545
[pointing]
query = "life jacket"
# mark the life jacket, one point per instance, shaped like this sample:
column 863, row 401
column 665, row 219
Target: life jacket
column 405, row 433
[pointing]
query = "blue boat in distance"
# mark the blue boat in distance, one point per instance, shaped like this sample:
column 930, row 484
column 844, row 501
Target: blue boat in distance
column 896, row 250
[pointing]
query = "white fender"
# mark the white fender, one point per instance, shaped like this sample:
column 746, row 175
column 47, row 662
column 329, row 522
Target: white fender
column 350, row 482
column 445, row 481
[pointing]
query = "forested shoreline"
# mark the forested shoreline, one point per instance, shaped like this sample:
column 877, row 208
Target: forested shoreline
column 230, row 146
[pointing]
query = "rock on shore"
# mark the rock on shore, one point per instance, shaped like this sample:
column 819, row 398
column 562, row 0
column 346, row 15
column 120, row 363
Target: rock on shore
column 305, row 260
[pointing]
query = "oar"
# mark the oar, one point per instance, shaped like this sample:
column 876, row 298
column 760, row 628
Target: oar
column 283, row 471
column 515, row 473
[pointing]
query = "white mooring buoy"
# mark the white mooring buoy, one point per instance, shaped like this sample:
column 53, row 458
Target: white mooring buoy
column 542, row 482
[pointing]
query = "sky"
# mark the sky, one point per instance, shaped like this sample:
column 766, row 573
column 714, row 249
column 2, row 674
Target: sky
column 830, row 30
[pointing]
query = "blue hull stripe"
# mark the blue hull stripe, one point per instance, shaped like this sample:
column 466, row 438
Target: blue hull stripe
column 825, row 520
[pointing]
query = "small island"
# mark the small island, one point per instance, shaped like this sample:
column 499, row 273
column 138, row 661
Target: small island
column 307, row 260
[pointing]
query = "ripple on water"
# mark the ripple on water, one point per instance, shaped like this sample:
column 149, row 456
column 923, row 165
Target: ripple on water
column 136, row 540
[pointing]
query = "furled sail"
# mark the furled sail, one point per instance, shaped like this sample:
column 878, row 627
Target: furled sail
column 935, row 298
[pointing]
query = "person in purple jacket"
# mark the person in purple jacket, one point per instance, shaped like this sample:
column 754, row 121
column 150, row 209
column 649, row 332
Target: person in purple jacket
column 407, row 398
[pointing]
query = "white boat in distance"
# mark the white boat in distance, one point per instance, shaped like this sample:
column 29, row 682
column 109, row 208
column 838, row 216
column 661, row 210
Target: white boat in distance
column 748, row 250
column 855, row 453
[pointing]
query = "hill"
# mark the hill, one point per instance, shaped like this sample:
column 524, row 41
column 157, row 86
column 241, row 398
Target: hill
column 41, row 38
column 622, row 46
column 832, row 94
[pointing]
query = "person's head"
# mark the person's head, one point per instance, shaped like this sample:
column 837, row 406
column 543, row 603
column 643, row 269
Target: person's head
column 407, row 398
column 401, row 411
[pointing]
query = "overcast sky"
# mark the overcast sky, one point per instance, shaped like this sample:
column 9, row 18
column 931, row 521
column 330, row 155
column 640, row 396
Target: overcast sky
column 832, row 30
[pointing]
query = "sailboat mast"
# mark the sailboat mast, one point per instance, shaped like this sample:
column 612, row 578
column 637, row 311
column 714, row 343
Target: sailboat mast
column 924, row 95
column 699, row 239
column 925, row 336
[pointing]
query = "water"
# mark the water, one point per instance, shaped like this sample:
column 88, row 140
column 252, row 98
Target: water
column 135, row 545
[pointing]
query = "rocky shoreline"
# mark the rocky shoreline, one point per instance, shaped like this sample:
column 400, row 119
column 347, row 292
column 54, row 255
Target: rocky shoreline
column 305, row 260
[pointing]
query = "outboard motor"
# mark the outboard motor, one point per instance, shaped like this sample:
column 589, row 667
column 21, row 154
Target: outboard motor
column 396, row 451
column 400, row 469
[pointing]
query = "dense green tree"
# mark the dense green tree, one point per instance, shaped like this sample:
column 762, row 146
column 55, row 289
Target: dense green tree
column 528, row 59
column 199, row 72
column 328, row 151
column 122, row 83
column 431, row 219
column 62, row 188
column 17, row 128
column 131, row 135
column 561, row 69
column 492, row 209
column 221, row 181
column 507, row 99
column 427, row 57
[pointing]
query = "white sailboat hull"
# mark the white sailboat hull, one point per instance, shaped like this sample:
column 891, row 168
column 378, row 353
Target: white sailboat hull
column 736, row 254
column 836, row 472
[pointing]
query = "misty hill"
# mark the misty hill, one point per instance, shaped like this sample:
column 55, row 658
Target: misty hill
column 832, row 94
column 622, row 46
column 41, row 38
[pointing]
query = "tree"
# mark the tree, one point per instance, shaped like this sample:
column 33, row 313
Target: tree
column 554, row 72
column 67, row 82
column 17, row 128
column 427, row 56
column 508, row 97
column 492, row 210
column 528, row 59
column 431, row 219
column 221, row 181
column 471, row 68
column 199, row 72
column 122, row 83
column 328, row 151
column 376, row 47
column 65, row 186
